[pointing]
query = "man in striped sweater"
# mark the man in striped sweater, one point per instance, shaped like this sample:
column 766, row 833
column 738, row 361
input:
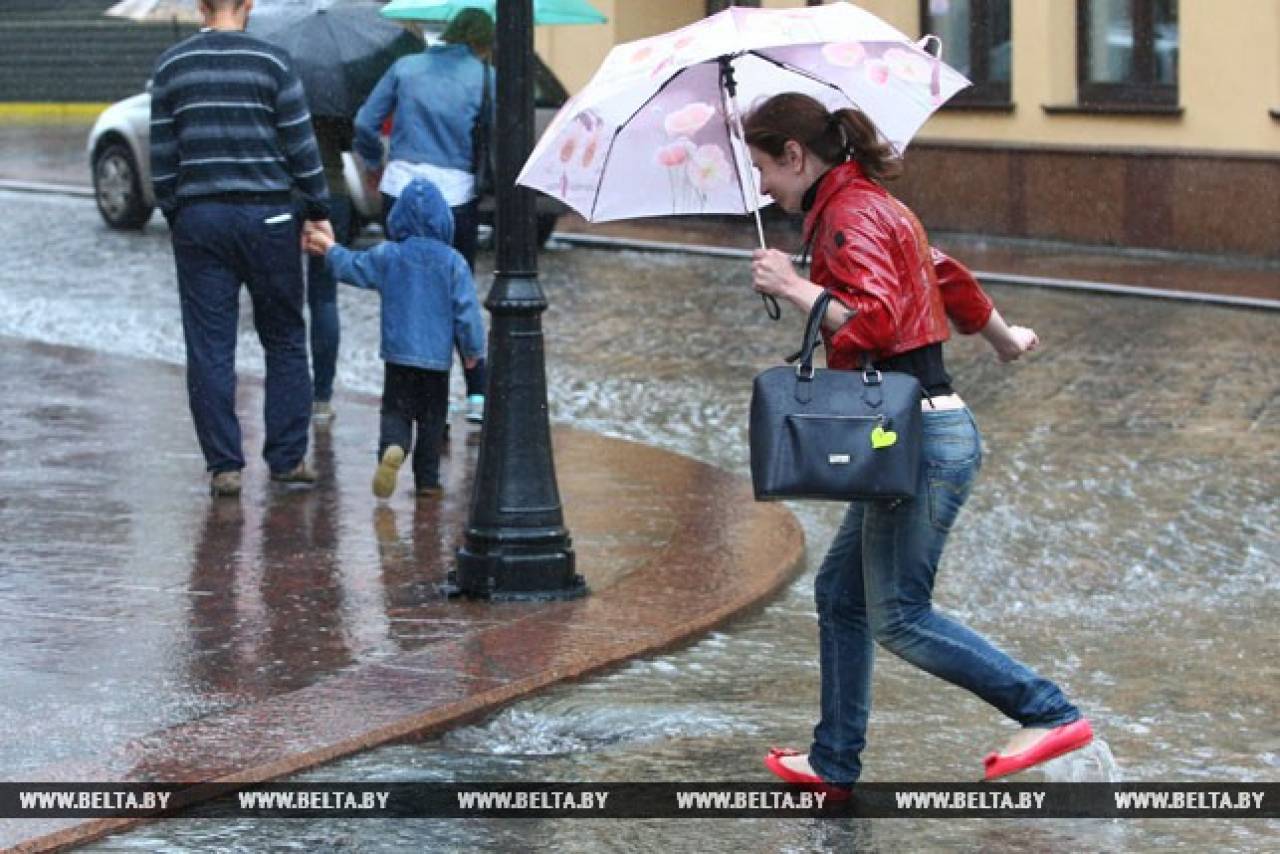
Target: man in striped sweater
column 231, row 139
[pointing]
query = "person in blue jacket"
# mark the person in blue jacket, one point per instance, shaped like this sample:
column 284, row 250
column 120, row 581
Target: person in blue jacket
column 437, row 103
column 428, row 302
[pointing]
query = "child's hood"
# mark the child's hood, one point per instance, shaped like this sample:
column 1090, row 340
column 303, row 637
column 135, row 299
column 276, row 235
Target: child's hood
column 420, row 212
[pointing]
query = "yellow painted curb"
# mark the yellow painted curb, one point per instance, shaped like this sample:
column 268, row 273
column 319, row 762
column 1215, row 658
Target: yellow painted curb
column 45, row 111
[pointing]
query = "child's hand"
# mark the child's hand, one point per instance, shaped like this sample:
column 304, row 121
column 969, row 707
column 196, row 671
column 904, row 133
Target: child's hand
column 317, row 242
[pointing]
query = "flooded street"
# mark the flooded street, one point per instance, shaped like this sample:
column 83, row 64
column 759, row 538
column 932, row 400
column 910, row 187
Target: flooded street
column 1124, row 539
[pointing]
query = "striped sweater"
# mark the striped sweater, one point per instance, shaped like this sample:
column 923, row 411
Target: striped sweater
column 229, row 121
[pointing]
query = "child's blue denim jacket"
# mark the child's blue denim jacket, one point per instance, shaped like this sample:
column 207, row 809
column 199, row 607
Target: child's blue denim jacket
column 428, row 296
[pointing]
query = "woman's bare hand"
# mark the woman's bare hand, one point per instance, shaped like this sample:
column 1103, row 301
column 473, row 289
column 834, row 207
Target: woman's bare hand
column 1010, row 342
column 1022, row 340
column 772, row 272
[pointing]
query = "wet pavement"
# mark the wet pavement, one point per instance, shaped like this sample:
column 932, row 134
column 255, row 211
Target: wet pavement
column 54, row 153
column 151, row 633
column 994, row 259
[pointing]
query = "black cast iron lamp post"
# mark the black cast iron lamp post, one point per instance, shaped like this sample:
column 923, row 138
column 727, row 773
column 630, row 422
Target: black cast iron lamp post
column 516, row 544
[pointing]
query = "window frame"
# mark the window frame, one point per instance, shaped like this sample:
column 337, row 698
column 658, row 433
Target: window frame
column 985, row 92
column 711, row 7
column 1144, row 90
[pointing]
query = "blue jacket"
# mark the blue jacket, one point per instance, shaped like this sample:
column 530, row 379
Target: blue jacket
column 436, row 97
column 428, row 296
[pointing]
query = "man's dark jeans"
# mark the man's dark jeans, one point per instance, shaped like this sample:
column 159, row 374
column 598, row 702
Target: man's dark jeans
column 409, row 395
column 217, row 247
column 322, row 300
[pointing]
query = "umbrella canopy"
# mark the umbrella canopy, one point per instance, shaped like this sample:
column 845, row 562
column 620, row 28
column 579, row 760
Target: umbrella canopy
column 657, row 130
column 179, row 11
column 340, row 51
column 544, row 11
column 188, row 11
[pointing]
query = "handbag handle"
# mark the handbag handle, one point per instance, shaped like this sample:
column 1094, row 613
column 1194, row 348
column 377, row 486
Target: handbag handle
column 804, row 370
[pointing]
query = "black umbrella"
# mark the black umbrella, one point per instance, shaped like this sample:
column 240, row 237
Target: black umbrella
column 340, row 51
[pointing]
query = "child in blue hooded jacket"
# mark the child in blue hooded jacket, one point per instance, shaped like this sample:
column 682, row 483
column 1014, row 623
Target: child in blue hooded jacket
column 428, row 302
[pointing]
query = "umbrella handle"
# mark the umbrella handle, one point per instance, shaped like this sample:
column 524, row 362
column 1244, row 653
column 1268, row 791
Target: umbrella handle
column 770, row 302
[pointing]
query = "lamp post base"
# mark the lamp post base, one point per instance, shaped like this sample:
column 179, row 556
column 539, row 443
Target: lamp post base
column 515, row 574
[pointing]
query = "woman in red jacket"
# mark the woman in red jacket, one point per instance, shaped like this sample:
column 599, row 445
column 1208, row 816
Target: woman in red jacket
column 893, row 296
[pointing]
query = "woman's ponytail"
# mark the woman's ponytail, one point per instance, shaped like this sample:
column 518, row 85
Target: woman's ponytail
column 833, row 137
column 861, row 142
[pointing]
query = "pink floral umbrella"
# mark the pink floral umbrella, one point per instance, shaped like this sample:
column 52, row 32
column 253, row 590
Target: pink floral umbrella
column 657, row 131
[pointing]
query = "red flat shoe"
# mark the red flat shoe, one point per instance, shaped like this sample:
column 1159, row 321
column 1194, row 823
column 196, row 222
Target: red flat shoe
column 773, row 761
column 1057, row 741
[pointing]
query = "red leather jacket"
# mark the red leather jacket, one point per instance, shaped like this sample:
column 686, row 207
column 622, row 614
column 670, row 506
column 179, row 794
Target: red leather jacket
column 871, row 252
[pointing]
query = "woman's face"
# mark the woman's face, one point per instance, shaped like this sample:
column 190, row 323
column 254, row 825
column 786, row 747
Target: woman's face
column 785, row 177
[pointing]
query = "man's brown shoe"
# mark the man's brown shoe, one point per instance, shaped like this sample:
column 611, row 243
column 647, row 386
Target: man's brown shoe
column 299, row 474
column 322, row 413
column 225, row 484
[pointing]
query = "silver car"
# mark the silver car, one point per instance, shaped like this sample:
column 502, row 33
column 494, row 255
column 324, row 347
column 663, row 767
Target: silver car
column 120, row 161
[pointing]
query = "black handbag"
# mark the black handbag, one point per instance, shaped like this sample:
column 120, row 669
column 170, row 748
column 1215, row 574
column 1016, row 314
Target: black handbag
column 834, row 435
column 481, row 139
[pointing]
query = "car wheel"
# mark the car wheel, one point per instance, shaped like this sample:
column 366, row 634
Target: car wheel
column 117, row 188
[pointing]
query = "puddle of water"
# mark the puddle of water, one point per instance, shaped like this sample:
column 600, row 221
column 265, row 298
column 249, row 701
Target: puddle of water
column 1093, row 763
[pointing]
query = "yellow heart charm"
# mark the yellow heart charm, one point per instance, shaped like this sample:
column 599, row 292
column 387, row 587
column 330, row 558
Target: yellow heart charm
column 882, row 438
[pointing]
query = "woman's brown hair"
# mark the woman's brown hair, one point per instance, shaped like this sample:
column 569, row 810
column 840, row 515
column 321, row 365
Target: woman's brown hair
column 832, row 137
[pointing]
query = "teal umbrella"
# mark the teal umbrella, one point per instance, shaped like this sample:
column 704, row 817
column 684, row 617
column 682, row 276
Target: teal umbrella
column 544, row 11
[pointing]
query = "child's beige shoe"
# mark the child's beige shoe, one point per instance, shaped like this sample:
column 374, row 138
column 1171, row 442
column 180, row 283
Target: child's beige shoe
column 384, row 479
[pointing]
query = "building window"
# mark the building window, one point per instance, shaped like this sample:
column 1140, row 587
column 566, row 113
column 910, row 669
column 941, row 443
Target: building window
column 714, row 6
column 976, row 41
column 1127, row 51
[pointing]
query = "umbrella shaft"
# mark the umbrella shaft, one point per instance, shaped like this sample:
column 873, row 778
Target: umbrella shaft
column 745, row 178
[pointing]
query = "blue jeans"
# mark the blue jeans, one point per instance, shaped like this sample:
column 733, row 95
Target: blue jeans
column 217, row 246
column 876, row 583
column 322, row 301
